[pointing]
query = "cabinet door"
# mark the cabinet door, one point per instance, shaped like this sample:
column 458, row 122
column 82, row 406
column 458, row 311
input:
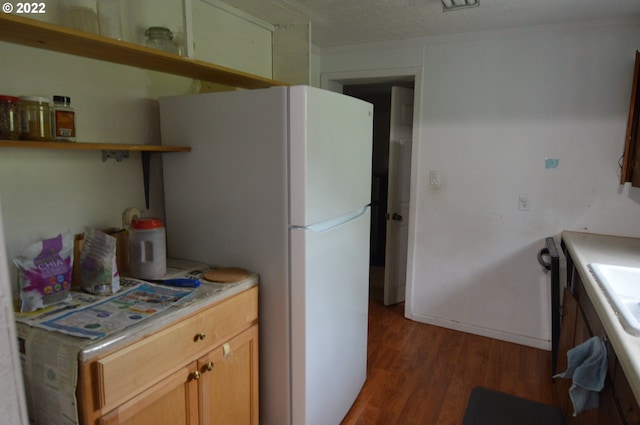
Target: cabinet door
column 630, row 161
column 229, row 383
column 145, row 362
column 172, row 401
column 609, row 413
column 565, row 343
column 624, row 393
column 583, row 333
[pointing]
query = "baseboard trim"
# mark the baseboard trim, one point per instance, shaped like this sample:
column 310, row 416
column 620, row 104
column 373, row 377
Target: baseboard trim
column 482, row 331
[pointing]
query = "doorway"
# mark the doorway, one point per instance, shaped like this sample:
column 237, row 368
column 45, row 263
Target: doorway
column 389, row 204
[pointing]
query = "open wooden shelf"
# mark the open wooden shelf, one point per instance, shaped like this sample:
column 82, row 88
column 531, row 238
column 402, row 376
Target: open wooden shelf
column 116, row 151
column 28, row 144
column 43, row 35
column 29, row 32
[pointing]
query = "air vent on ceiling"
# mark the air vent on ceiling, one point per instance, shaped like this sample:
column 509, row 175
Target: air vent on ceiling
column 449, row 5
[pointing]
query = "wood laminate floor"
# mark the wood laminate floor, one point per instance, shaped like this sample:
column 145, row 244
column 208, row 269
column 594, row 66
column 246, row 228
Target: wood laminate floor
column 423, row 375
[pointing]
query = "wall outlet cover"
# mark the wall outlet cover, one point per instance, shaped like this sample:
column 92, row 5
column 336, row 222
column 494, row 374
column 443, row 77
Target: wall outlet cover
column 434, row 177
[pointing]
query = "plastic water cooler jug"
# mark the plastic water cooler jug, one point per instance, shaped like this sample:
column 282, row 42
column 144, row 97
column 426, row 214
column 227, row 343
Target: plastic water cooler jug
column 147, row 248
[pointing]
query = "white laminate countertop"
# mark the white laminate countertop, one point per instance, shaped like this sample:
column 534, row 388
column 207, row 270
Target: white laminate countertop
column 587, row 248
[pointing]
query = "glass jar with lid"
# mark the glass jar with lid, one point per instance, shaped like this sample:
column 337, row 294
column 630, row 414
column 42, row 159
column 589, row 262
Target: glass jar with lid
column 9, row 118
column 63, row 119
column 35, row 118
column 161, row 38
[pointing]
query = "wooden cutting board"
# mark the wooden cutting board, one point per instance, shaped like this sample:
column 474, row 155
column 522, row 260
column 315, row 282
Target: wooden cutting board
column 226, row 275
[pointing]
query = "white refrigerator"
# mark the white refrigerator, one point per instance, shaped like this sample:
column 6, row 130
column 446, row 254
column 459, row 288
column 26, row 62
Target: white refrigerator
column 279, row 182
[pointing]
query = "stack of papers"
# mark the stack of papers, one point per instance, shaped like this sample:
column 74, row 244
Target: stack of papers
column 90, row 316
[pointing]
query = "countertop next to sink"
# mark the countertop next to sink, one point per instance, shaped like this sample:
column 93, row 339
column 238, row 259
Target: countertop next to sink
column 587, row 248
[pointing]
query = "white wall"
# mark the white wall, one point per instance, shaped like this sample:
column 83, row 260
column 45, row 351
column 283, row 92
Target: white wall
column 492, row 107
column 315, row 66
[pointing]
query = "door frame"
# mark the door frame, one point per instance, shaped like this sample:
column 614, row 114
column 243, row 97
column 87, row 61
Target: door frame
column 335, row 81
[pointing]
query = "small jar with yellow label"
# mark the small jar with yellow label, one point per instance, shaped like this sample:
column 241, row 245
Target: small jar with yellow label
column 64, row 119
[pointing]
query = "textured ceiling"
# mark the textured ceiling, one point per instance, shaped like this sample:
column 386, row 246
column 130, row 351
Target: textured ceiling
column 340, row 22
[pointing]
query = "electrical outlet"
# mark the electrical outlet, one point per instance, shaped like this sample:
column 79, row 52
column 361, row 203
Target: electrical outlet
column 434, row 177
column 524, row 204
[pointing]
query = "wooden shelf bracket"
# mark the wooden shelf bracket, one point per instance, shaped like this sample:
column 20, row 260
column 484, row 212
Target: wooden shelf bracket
column 146, row 161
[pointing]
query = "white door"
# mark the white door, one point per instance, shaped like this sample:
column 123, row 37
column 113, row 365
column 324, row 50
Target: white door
column 398, row 195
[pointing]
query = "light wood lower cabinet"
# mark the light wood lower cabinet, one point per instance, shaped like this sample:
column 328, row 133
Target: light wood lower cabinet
column 228, row 387
column 200, row 370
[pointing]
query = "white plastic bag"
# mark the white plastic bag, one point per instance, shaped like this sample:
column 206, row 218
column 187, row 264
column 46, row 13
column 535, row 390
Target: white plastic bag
column 98, row 267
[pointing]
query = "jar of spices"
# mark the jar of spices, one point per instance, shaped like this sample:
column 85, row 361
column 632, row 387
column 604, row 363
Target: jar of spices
column 35, row 118
column 9, row 117
column 64, row 119
column 161, row 38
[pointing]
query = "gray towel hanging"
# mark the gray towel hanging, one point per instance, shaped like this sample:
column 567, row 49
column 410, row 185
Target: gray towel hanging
column 587, row 366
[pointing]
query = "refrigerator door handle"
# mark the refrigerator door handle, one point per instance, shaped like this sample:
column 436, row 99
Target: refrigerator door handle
column 332, row 223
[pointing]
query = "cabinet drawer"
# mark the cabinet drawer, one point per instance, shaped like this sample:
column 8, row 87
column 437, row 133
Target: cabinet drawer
column 131, row 370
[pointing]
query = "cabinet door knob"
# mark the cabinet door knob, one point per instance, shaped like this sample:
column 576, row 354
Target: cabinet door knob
column 200, row 336
column 210, row 366
column 196, row 375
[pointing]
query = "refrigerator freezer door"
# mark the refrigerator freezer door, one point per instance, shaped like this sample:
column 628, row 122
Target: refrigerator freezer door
column 330, row 145
column 329, row 286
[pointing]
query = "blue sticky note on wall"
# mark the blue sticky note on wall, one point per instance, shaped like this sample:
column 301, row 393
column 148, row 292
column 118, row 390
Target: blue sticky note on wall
column 551, row 163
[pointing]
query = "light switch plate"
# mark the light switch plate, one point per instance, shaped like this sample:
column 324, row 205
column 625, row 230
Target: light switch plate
column 524, row 203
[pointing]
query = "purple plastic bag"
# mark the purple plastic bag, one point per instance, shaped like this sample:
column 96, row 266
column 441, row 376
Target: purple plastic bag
column 44, row 272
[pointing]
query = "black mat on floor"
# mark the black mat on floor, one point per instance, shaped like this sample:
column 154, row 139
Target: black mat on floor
column 490, row 407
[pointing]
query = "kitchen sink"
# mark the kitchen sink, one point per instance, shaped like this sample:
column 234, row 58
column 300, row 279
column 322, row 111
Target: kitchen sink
column 621, row 285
